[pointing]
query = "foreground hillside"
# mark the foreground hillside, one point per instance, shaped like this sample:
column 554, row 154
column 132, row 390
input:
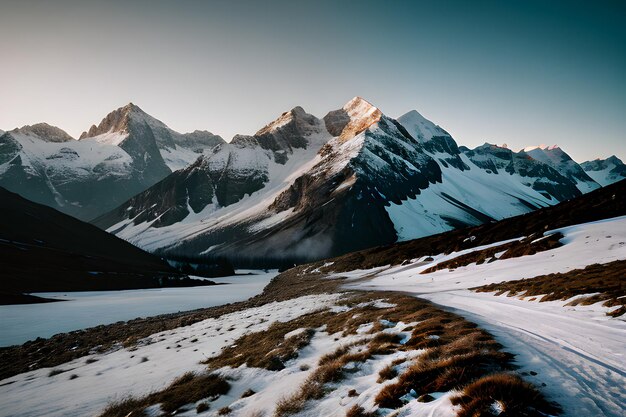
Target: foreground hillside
column 42, row 250
column 344, row 337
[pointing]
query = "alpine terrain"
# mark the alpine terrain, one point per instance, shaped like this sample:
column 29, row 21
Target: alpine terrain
column 304, row 188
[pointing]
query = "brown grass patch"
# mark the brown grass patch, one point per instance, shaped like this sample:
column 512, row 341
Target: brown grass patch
column 456, row 353
column 514, row 396
column 125, row 407
column 605, row 279
column 358, row 411
column 387, row 373
column 267, row 349
column 202, row 407
column 186, row 389
column 511, row 250
column 248, row 393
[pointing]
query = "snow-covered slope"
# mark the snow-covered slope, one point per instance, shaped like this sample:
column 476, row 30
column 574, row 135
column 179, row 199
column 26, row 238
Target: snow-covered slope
column 605, row 171
column 303, row 188
column 566, row 166
column 122, row 156
column 576, row 352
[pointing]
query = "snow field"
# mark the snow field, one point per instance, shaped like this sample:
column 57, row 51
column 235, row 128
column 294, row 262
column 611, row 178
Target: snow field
column 103, row 377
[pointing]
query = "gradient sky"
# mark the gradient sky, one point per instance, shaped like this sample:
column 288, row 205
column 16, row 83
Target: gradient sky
column 515, row 72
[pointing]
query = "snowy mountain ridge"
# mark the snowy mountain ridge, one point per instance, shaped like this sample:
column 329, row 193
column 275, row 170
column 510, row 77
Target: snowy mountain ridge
column 304, row 188
column 605, row 171
column 122, row 156
column 310, row 187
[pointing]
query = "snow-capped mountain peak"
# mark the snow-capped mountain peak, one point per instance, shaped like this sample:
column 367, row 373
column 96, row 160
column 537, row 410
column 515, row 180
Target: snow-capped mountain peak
column 45, row 132
column 293, row 129
column 115, row 121
column 556, row 158
column 353, row 118
column 605, row 171
column 542, row 147
column 285, row 118
column 420, row 127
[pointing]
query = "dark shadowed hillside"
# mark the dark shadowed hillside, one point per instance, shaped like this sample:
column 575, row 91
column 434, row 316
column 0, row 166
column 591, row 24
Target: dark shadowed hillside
column 603, row 203
column 42, row 249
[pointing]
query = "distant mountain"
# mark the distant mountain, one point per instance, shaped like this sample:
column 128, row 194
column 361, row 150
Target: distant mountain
column 44, row 250
column 304, row 188
column 126, row 153
column 605, row 171
column 143, row 136
column 561, row 161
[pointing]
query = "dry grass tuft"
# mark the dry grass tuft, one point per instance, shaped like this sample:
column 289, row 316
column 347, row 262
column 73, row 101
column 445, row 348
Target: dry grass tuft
column 55, row 372
column 289, row 405
column 268, row 349
column 248, row 393
column 514, row 396
column 125, row 407
column 186, row 389
column 202, row 407
column 387, row 373
column 189, row 388
column 358, row 411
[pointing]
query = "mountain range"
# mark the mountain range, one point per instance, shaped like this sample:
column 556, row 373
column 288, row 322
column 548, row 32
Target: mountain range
column 300, row 189
column 126, row 153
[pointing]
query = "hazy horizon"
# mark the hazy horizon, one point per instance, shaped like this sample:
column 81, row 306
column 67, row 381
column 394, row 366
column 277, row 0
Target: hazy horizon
column 524, row 74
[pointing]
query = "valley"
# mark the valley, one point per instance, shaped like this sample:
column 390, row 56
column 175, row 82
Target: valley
column 359, row 335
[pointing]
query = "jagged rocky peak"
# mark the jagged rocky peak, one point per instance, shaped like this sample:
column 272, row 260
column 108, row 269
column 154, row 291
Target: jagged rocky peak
column 294, row 129
column 542, row 147
column 297, row 116
column 486, row 148
column 199, row 140
column 353, row 118
column 601, row 164
column 45, row 132
column 244, row 141
column 605, row 171
column 558, row 159
column 116, row 121
column 492, row 158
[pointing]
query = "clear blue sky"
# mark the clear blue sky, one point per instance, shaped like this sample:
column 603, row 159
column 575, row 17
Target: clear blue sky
column 521, row 73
